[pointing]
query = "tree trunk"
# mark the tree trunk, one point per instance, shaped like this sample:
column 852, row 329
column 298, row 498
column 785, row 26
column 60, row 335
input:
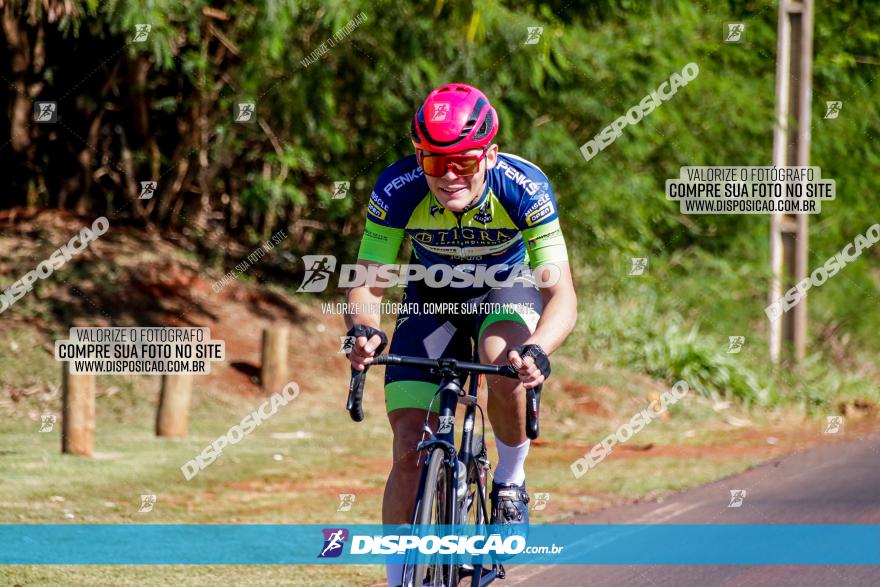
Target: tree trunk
column 78, row 425
column 273, row 373
column 172, row 418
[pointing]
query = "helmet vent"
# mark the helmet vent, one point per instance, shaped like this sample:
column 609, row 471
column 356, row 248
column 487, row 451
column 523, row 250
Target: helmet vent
column 487, row 125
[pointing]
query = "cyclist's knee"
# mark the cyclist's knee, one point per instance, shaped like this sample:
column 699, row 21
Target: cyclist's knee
column 498, row 337
column 506, row 390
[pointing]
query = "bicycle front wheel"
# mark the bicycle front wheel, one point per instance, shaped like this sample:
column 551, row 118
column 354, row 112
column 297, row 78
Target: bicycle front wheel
column 433, row 509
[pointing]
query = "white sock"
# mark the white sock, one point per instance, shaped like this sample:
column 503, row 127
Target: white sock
column 394, row 573
column 510, row 462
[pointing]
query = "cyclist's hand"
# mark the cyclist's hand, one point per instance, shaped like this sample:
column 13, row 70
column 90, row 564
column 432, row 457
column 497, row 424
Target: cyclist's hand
column 368, row 343
column 364, row 350
column 531, row 363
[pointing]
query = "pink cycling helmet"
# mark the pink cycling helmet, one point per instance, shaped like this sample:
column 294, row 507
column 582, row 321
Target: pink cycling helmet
column 454, row 117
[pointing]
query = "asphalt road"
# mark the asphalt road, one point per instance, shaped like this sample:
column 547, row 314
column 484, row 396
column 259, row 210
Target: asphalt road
column 832, row 484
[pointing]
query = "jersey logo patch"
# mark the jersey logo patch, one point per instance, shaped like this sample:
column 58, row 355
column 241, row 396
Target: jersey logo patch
column 376, row 211
column 402, row 180
column 549, row 237
column 538, row 202
column 518, row 178
column 483, row 215
column 539, row 214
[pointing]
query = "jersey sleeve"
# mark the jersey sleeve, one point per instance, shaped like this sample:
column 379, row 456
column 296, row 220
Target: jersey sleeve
column 385, row 225
column 380, row 244
column 537, row 218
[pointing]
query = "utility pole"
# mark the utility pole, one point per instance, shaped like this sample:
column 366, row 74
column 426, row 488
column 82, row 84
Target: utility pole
column 791, row 146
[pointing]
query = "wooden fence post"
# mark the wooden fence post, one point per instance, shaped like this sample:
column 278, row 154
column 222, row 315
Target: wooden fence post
column 78, row 423
column 172, row 417
column 273, row 371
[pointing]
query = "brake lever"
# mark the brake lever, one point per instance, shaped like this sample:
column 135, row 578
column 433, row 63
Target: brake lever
column 354, row 405
column 533, row 406
column 533, row 411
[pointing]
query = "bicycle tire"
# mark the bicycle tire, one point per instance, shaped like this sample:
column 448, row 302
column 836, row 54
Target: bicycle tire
column 431, row 502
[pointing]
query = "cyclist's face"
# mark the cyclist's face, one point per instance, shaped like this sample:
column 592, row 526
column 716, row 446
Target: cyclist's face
column 455, row 192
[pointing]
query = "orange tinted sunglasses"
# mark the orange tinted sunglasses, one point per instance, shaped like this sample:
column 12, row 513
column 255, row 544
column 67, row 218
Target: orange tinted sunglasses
column 461, row 165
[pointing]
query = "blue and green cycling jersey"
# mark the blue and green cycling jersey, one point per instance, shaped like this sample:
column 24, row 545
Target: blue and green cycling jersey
column 514, row 222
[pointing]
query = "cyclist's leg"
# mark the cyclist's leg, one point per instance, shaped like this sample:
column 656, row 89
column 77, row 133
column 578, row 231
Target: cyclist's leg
column 506, row 403
column 513, row 315
column 399, row 498
column 403, row 480
column 498, row 331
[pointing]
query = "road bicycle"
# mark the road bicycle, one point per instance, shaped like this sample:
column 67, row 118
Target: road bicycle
column 452, row 487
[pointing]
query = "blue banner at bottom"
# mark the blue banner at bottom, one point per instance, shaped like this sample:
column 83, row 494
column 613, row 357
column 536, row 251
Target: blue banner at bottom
column 275, row 544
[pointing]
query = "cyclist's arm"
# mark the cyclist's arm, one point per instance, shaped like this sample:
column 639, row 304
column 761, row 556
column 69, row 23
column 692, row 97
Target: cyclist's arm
column 384, row 231
column 547, row 254
column 379, row 246
column 560, row 309
column 363, row 308
column 363, row 302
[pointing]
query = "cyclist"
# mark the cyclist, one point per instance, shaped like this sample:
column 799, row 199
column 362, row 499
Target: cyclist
column 465, row 205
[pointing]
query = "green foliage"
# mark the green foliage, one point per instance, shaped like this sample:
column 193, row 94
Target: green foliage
column 345, row 116
column 630, row 327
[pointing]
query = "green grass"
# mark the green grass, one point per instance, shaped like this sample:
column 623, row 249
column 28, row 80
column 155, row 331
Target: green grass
column 130, row 460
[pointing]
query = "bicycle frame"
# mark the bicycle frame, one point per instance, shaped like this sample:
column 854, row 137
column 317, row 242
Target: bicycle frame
column 450, row 387
column 450, row 395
